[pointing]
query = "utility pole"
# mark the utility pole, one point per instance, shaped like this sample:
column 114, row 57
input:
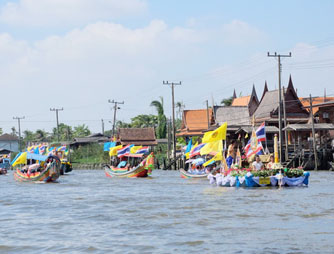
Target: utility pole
column 19, row 124
column 102, row 126
column 115, row 110
column 313, row 136
column 56, row 110
column 285, row 131
column 172, row 84
column 207, row 113
column 279, row 101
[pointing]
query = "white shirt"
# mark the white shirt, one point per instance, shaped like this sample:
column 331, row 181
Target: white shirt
column 257, row 165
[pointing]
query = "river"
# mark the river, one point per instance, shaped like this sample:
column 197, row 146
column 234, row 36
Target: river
column 86, row 212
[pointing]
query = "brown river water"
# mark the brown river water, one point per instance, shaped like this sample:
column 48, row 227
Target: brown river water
column 86, row 212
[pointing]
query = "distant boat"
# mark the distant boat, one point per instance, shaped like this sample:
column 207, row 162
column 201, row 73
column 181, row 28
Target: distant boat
column 143, row 169
column 46, row 170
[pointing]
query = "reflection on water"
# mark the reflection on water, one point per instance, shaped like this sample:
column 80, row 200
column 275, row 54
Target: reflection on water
column 85, row 212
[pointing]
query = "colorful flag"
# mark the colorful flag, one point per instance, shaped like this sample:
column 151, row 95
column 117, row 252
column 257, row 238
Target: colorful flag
column 134, row 149
column 124, row 151
column 215, row 146
column 113, row 150
column 261, row 133
column 254, row 146
column 196, row 150
column 143, row 150
column 218, row 134
column 21, row 158
column 217, row 157
column 108, row 145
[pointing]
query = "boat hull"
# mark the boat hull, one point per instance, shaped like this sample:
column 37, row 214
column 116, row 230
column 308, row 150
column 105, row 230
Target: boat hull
column 187, row 175
column 251, row 181
column 50, row 174
column 65, row 167
column 111, row 171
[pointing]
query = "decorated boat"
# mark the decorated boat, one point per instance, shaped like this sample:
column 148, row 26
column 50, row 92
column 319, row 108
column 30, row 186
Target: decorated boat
column 261, row 178
column 128, row 166
column 63, row 153
column 4, row 165
column 36, row 167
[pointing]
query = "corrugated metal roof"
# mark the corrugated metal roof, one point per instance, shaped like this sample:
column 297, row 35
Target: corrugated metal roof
column 308, row 127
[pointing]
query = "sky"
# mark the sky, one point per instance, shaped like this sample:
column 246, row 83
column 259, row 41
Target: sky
column 78, row 54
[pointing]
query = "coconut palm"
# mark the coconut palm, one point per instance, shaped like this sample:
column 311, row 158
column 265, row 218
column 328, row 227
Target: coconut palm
column 162, row 121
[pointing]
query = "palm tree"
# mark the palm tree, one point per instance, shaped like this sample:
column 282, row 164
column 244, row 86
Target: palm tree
column 41, row 135
column 179, row 106
column 81, row 131
column 142, row 121
column 227, row 101
column 162, row 121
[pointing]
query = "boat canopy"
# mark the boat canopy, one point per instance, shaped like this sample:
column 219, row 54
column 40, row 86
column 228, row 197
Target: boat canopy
column 132, row 155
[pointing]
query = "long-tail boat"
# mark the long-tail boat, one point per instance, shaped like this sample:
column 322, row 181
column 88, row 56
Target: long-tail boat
column 47, row 168
column 143, row 169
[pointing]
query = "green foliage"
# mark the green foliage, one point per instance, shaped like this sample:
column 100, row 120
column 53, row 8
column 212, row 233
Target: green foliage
column 81, row 131
column 89, row 154
column 161, row 130
column 142, row 121
column 227, row 101
column 160, row 154
column 1, row 131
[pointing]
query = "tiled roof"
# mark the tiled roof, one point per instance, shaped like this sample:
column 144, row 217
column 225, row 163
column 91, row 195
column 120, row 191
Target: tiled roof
column 196, row 119
column 137, row 136
column 241, row 101
column 8, row 137
column 318, row 100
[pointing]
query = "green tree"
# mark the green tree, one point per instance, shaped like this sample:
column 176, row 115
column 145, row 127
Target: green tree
column 14, row 132
column 65, row 133
column 41, row 136
column 81, row 131
column 121, row 124
column 227, row 101
column 142, row 121
column 1, row 131
column 161, row 129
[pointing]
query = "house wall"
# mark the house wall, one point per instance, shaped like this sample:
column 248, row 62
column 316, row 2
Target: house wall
column 326, row 110
column 10, row 145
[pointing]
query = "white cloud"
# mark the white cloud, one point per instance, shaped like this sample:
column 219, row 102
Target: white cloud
column 238, row 32
column 91, row 65
column 45, row 13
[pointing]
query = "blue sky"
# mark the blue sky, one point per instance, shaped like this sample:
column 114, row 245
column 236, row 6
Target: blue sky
column 77, row 54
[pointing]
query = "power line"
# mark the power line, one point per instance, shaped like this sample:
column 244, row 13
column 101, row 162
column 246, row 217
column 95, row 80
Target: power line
column 56, row 110
column 172, row 84
column 278, row 56
column 116, row 103
column 19, row 125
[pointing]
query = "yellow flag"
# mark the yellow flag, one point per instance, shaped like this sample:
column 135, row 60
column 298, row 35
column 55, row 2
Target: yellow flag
column 206, row 136
column 216, row 146
column 246, row 136
column 218, row 134
column 187, row 155
column 113, row 150
column 134, row 149
column 22, row 159
column 217, row 157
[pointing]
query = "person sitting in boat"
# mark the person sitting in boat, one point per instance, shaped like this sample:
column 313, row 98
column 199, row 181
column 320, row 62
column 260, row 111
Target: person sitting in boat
column 230, row 154
column 257, row 164
column 271, row 163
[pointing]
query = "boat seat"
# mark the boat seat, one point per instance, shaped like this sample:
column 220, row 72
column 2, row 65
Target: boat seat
column 122, row 164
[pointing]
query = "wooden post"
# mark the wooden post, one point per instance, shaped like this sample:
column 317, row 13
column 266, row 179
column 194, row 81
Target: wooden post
column 313, row 136
column 285, row 131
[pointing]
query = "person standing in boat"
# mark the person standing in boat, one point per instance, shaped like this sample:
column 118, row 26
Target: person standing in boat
column 230, row 154
column 257, row 164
